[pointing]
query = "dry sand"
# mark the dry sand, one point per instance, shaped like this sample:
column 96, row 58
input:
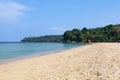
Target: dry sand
column 100, row 61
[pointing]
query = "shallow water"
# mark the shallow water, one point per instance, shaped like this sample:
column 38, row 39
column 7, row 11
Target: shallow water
column 9, row 51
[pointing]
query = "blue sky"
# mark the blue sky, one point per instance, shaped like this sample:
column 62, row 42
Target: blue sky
column 23, row 18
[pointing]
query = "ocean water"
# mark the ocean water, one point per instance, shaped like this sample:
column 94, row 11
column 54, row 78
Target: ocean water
column 13, row 51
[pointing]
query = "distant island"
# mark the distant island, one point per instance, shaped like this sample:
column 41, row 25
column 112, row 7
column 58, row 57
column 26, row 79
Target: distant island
column 109, row 33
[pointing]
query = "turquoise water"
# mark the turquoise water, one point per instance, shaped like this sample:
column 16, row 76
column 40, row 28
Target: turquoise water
column 9, row 51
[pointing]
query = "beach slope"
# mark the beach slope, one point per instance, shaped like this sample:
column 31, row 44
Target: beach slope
column 99, row 61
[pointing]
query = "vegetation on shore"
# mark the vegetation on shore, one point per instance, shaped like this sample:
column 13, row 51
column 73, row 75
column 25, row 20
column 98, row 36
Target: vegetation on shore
column 47, row 38
column 109, row 33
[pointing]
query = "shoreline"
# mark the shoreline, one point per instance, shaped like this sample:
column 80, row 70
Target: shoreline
column 99, row 61
column 36, row 55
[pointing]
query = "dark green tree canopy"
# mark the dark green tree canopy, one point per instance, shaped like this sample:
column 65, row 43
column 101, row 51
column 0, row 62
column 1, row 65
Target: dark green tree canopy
column 109, row 33
column 47, row 38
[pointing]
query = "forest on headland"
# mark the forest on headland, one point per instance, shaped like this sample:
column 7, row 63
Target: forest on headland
column 108, row 33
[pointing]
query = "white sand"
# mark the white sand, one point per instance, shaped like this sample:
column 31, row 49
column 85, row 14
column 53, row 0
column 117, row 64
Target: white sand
column 100, row 61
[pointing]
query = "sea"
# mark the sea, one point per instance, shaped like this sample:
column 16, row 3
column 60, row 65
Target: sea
column 10, row 51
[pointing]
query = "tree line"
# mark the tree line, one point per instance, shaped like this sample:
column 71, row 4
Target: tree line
column 109, row 33
column 47, row 38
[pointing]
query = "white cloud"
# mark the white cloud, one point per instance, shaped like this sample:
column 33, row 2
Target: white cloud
column 12, row 11
column 58, row 29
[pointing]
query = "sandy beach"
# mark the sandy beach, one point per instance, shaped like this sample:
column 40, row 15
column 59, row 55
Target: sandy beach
column 99, row 61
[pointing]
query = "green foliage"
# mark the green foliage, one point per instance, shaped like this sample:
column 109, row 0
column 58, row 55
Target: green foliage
column 50, row 38
column 109, row 33
column 73, row 35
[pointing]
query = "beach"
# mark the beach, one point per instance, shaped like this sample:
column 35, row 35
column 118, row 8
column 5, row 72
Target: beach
column 98, row 61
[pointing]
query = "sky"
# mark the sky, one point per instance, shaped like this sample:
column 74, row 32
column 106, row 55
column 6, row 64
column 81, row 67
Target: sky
column 27, row 18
